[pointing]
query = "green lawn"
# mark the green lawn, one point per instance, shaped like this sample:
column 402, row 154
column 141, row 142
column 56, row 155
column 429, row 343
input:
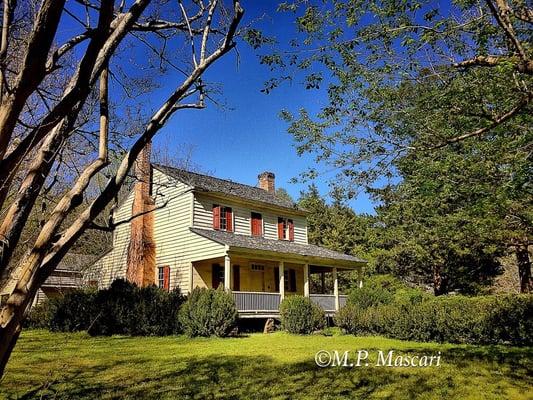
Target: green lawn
column 281, row 366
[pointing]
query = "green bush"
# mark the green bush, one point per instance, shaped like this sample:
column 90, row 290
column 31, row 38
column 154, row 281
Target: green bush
column 208, row 312
column 455, row 319
column 123, row 309
column 383, row 289
column 74, row 311
column 41, row 315
column 126, row 309
column 300, row 315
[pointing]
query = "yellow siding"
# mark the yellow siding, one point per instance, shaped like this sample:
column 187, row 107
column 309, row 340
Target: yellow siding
column 176, row 246
column 113, row 264
column 250, row 280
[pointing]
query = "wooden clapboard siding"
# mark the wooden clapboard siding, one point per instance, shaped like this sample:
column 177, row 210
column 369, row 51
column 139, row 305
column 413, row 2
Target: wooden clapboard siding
column 242, row 214
column 176, row 246
column 250, row 280
column 113, row 264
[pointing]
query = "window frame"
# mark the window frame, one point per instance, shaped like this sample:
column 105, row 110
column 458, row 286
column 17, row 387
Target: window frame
column 288, row 233
column 261, row 234
column 222, row 223
column 161, row 277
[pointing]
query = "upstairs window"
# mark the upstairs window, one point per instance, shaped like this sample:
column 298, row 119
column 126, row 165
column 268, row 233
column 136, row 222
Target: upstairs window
column 285, row 229
column 257, row 224
column 164, row 278
column 222, row 218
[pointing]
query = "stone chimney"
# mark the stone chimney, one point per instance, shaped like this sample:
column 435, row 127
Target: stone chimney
column 141, row 249
column 267, row 181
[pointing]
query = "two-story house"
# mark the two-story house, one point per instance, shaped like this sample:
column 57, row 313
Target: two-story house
column 193, row 230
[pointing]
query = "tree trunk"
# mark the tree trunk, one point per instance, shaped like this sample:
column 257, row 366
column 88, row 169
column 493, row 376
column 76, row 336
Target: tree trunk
column 439, row 282
column 11, row 317
column 524, row 268
column 7, row 344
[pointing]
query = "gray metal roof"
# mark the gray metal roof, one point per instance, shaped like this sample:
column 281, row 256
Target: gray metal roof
column 211, row 184
column 277, row 246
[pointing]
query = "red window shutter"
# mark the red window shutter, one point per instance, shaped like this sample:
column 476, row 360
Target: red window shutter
column 166, row 278
column 280, row 228
column 257, row 224
column 216, row 216
column 229, row 219
column 291, row 230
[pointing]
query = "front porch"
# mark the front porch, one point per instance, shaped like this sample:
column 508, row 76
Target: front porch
column 259, row 285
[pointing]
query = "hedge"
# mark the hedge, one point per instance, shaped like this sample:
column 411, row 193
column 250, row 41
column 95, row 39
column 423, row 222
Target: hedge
column 455, row 319
column 123, row 308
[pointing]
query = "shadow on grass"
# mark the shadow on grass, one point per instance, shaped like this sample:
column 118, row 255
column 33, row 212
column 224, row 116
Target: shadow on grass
column 244, row 377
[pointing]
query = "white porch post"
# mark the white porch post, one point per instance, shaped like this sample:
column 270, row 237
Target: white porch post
column 306, row 280
column 281, row 280
column 227, row 273
column 336, row 289
column 191, row 277
column 360, row 276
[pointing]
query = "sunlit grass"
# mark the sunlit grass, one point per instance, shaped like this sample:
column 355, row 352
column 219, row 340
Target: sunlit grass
column 275, row 366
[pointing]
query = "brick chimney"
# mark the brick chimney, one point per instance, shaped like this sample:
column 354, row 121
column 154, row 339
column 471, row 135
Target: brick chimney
column 267, row 181
column 141, row 249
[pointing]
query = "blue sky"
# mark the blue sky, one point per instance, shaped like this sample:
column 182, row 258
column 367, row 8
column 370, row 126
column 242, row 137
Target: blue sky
column 247, row 136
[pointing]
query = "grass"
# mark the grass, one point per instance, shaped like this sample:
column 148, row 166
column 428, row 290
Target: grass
column 274, row 366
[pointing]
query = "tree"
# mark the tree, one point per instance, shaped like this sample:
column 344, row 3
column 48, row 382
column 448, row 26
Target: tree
column 337, row 227
column 38, row 119
column 412, row 79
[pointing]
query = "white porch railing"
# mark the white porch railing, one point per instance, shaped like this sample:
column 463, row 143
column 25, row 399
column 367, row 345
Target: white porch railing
column 327, row 301
column 257, row 301
column 269, row 302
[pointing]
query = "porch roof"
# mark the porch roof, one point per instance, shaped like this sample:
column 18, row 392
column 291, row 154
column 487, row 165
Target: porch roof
column 276, row 246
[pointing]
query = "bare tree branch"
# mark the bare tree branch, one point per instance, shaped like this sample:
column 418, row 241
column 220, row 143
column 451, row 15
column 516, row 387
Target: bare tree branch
column 496, row 121
column 525, row 67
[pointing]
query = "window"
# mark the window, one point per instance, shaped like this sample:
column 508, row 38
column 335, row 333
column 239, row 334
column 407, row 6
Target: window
column 257, row 224
column 289, row 279
column 285, row 229
column 222, row 218
column 257, row 267
column 163, row 277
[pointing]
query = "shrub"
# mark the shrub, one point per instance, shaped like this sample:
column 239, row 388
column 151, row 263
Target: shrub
column 383, row 289
column 41, row 315
column 208, row 312
column 74, row 311
column 455, row 319
column 126, row 309
column 123, row 309
column 367, row 321
column 300, row 315
column 369, row 296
